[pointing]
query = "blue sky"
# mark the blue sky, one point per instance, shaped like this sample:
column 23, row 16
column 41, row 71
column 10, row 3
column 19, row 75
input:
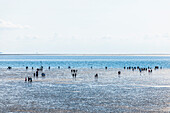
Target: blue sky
column 85, row 26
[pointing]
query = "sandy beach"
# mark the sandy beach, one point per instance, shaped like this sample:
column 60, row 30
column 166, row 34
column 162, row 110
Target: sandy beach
column 58, row 91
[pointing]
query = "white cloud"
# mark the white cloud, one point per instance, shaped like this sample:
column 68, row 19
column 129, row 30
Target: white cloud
column 28, row 37
column 107, row 37
column 9, row 25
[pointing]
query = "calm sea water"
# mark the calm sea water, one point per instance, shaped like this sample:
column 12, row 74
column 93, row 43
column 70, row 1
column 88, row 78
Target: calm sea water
column 84, row 61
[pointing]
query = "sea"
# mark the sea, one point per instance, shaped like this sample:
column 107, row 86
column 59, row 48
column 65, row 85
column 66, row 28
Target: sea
column 83, row 61
column 59, row 92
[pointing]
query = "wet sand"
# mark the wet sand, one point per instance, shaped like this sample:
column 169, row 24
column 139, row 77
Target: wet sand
column 58, row 91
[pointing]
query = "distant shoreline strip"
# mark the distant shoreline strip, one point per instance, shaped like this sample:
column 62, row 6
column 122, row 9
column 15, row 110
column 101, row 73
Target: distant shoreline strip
column 89, row 54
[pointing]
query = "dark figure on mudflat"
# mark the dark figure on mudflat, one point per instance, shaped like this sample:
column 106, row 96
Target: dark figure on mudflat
column 37, row 73
column 9, row 68
column 74, row 72
column 156, row 67
column 29, row 79
column 43, row 74
column 96, row 75
column 119, row 72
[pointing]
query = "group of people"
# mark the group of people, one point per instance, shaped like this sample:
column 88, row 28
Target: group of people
column 149, row 69
column 29, row 79
column 74, row 71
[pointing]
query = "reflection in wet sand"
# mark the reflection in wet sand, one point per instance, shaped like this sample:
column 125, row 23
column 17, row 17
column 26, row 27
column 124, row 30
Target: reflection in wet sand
column 58, row 91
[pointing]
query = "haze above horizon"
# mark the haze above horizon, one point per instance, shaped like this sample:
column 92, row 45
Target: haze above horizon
column 85, row 27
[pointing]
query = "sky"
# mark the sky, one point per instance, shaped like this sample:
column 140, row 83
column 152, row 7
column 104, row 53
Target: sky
column 85, row 26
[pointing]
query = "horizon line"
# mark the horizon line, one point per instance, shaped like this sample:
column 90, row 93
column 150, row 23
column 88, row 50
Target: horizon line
column 94, row 54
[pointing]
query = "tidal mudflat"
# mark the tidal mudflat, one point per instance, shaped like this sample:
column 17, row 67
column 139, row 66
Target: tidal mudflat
column 58, row 91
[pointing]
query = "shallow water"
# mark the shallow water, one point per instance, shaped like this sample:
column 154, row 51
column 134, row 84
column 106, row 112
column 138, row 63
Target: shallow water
column 131, row 91
column 84, row 61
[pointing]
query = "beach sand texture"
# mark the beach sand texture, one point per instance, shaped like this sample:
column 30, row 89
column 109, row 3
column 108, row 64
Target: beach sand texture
column 58, row 91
